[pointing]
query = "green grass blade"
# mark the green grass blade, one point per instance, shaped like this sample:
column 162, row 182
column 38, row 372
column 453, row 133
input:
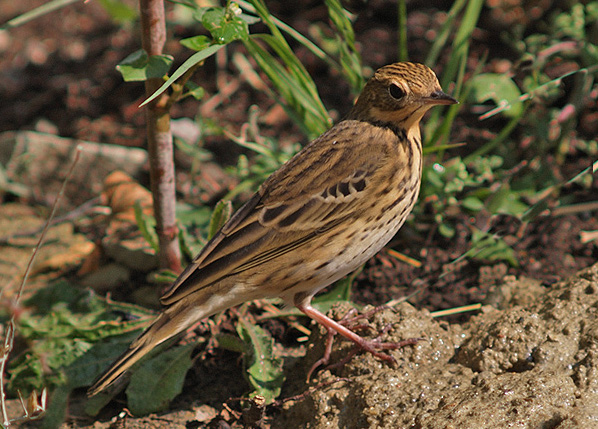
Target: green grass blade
column 42, row 10
column 191, row 61
column 402, row 31
column 441, row 40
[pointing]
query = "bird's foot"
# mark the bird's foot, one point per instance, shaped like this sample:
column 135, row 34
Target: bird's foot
column 348, row 324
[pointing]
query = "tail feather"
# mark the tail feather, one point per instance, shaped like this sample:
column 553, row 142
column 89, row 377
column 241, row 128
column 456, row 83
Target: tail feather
column 166, row 326
column 118, row 369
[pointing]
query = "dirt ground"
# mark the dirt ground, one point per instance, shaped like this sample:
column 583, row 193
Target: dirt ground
column 527, row 359
column 530, row 363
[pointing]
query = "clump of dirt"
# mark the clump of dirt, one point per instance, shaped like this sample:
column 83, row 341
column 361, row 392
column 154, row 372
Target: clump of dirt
column 532, row 366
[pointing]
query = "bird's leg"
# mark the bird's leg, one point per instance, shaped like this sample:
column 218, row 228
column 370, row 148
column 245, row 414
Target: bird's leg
column 371, row 346
column 327, row 350
column 347, row 320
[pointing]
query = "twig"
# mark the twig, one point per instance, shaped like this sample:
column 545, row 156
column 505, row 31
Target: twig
column 587, row 236
column 404, row 258
column 9, row 338
column 575, row 208
column 456, row 310
column 305, row 394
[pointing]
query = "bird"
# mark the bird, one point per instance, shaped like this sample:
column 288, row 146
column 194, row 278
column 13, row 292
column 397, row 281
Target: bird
column 316, row 219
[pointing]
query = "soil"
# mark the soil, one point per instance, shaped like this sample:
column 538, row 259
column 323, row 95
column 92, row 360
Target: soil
column 527, row 359
column 529, row 365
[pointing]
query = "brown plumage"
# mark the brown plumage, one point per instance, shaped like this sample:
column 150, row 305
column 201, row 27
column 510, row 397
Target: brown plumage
column 318, row 218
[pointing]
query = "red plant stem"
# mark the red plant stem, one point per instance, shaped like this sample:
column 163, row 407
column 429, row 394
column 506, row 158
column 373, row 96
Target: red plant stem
column 159, row 139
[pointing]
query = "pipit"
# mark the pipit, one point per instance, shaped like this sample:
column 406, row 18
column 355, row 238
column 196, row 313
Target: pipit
column 316, row 219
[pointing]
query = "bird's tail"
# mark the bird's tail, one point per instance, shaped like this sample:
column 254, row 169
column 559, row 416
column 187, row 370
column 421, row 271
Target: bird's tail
column 167, row 325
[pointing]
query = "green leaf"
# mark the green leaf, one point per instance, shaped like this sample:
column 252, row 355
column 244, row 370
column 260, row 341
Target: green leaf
column 45, row 299
column 224, row 24
column 264, row 369
column 66, row 323
column 190, row 214
column 446, row 230
column 139, row 67
column 472, row 203
column 56, row 411
column 194, row 90
column 194, row 224
column 83, row 371
column 488, row 247
column 191, row 61
column 89, row 366
column 231, row 342
column 197, row 43
column 61, row 330
column 159, row 380
column 220, row 216
column 95, row 404
column 499, row 88
column 119, row 11
column 147, row 226
column 506, row 201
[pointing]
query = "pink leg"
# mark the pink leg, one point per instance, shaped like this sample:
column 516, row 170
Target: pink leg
column 371, row 346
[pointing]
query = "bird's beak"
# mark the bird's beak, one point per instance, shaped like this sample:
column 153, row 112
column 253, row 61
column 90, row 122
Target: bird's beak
column 439, row 97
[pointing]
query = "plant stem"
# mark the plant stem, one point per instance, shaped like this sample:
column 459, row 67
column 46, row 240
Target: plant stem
column 159, row 140
column 402, row 31
column 10, row 329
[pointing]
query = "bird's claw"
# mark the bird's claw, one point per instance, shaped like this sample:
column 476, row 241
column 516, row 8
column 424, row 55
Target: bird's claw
column 371, row 346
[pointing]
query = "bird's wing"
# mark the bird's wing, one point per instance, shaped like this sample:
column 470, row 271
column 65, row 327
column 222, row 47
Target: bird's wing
column 307, row 196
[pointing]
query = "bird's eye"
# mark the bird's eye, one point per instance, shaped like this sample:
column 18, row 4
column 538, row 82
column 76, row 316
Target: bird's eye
column 396, row 91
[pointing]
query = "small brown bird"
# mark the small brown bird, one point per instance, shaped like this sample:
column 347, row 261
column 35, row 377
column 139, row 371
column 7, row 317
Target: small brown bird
column 316, row 219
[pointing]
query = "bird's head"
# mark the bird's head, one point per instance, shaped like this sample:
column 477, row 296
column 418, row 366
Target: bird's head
column 400, row 94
